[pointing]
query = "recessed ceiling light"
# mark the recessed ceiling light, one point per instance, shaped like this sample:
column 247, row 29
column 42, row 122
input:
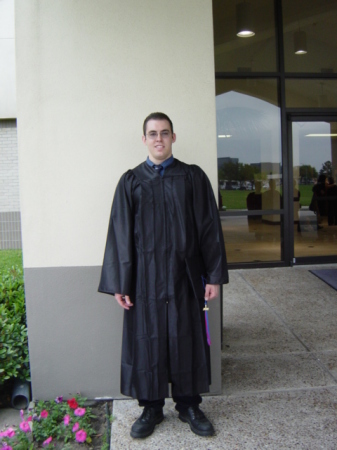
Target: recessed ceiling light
column 244, row 20
column 224, row 135
column 321, row 135
column 245, row 33
column 300, row 42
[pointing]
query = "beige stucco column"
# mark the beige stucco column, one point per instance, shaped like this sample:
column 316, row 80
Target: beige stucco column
column 88, row 72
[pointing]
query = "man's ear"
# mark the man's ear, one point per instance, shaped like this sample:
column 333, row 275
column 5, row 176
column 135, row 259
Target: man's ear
column 144, row 140
column 174, row 137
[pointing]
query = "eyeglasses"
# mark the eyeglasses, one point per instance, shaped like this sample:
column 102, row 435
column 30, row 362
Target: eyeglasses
column 164, row 134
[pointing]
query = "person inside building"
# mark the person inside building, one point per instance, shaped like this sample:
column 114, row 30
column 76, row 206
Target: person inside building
column 164, row 234
column 319, row 199
column 254, row 202
column 332, row 201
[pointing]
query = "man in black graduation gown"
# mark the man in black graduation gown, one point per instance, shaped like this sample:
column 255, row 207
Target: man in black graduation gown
column 164, row 218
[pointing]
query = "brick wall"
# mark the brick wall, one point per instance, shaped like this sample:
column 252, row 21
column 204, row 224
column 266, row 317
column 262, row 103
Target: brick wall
column 10, row 223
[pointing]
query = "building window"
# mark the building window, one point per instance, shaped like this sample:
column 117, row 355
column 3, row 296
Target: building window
column 244, row 54
column 283, row 71
column 249, row 168
column 309, row 34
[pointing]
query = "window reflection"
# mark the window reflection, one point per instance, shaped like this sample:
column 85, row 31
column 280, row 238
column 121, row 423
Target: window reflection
column 317, row 93
column 315, row 191
column 251, row 241
column 249, row 168
column 248, row 54
column 314, row 23
column 249, row 145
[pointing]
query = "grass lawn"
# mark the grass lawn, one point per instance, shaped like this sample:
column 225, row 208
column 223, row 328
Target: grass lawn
column 237, row 199
column 234, row 199
column 9, row 258
column 306, row 194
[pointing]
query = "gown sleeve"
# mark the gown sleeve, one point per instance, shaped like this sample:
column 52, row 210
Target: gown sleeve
column 208, row 224
column 116, row 275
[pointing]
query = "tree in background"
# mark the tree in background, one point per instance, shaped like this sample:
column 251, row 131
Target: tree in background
column 231, row 171
column 307, row 173
column 238, row 172
column 326, row 169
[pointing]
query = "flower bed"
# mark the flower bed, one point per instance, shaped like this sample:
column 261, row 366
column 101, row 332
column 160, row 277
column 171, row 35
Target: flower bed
column 60, row 424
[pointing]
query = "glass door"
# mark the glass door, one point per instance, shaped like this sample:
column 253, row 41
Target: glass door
column 314, row 190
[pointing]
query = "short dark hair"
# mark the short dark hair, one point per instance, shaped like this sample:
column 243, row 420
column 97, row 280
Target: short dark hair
column 157, row 116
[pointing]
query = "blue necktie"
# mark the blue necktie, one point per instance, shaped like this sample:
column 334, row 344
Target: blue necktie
column 159, row 168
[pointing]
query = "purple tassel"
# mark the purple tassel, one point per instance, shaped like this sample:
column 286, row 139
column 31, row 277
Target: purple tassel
column 208, row 336
column 207, row 326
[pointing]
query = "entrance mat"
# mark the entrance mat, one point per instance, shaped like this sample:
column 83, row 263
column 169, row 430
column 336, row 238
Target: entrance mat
column 329, row 276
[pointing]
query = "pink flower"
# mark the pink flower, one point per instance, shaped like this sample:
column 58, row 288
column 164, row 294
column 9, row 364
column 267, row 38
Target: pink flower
column 81, row 436
column 10, row 432
column 79, row 411
column 24, row 426
column 66, row 420
column 29, row 419
column 44, row 414
column 21, row 413
column 76, row 427
column 6, row 447
column 47, row 441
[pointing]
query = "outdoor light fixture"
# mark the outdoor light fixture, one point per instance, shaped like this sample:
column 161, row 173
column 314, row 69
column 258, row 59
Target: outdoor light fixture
column 244, row 20
column 300, row 42
column 224, row 135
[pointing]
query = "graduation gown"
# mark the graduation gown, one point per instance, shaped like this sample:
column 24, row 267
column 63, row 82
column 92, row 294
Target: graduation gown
column 157, row 223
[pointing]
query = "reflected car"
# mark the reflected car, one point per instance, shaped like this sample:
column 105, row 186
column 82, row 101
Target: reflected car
column 232, row 185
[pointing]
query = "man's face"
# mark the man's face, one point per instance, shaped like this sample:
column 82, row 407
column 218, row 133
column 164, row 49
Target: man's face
column 159, row 140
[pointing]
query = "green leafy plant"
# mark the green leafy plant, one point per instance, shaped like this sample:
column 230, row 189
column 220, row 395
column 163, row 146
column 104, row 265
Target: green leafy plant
column 64, row 421
column 14, row 358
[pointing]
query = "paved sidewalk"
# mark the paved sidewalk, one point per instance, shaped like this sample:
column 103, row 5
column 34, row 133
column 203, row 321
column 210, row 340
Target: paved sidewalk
column 279, row 368
column 9, row 417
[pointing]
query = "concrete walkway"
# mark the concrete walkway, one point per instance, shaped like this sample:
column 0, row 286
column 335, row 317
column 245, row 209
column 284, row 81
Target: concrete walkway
column 279, row 368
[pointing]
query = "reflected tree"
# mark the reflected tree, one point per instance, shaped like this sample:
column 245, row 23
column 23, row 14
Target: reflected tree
column 231, row 171
column 240, row 172
column 326, row 169
column 307, row 173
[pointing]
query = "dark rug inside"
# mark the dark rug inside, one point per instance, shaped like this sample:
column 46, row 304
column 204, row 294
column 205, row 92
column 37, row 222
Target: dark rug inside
column 327, row 275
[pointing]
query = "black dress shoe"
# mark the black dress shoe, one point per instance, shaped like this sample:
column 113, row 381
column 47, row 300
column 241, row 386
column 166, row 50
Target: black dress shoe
column 197, row 420
column 145, row 424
